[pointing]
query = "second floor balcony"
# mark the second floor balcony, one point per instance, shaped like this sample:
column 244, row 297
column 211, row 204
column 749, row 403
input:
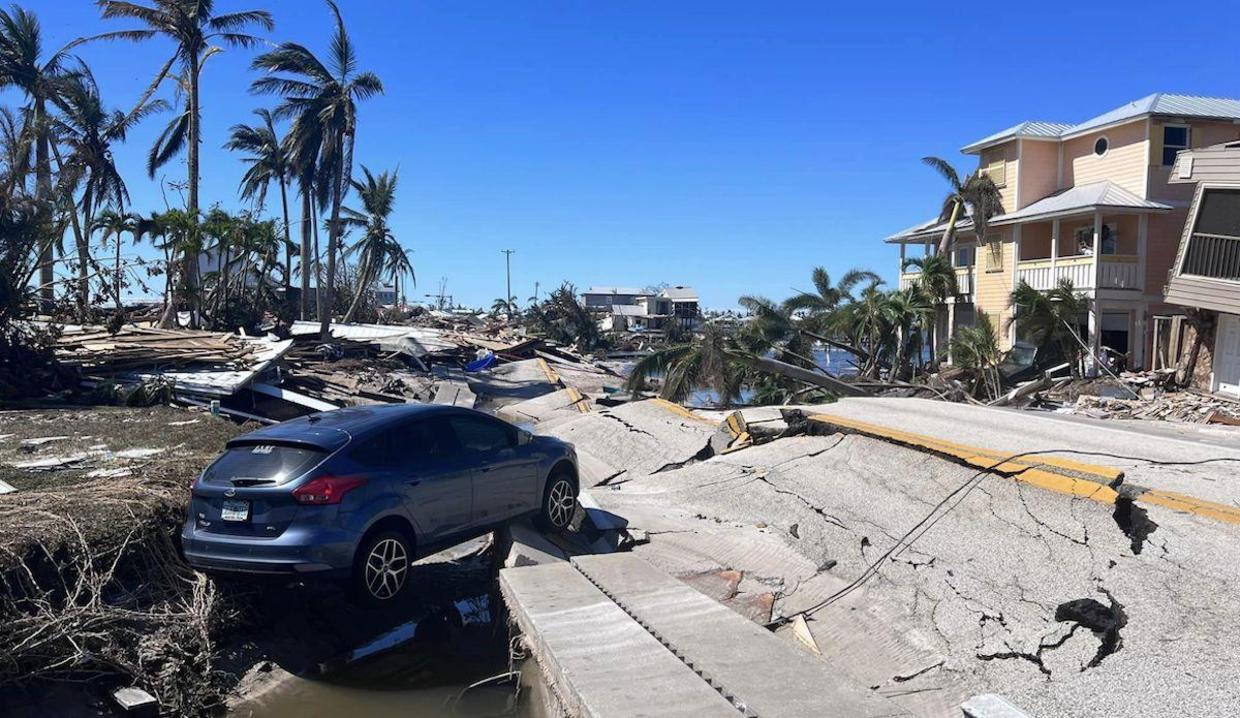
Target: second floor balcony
column 964, row 281
column 1114, row 271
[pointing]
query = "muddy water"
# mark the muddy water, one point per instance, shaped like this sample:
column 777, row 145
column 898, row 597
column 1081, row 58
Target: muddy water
column 446, row 653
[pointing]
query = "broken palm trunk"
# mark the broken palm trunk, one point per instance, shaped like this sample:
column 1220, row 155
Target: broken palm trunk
column 800, row 374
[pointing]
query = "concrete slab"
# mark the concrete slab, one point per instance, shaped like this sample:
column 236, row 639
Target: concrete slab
column 602, row 664
column 563, row 403
column 639, row 438
column 762, row 672
column 454, row 393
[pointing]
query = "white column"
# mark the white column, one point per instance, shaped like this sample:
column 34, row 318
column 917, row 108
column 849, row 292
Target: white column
column 1143, row 233
column 1095, row 336
column 1136, row 338
column 903, row 246
column 1054, row 245
column 1095, row 267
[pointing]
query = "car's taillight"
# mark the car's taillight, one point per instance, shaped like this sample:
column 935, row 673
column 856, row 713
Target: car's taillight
column 326, row 489
column 193, row 482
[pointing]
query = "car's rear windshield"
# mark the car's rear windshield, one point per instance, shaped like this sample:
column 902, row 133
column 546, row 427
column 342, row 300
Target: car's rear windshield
column 262, row 464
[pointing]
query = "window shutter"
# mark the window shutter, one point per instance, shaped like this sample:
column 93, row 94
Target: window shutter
column 994, row 255
column 996, row 171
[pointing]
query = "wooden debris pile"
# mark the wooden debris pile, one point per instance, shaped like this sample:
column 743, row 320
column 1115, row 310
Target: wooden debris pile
column 99, row 353
column 348, row 373
column 1182, row 406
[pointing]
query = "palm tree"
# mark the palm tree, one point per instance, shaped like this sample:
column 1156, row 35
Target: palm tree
column 1051, row 319
column 195, row 30
column 321, row 99
column 23, row 66
column 268, row 162
column 910, row 312
column 709, row 362
column 826, row 297
column 114, row 224
column 88, row 132
column 937, row 278
column 975, row 350
column 381, row 253
column 865, row 322
column 978, row 194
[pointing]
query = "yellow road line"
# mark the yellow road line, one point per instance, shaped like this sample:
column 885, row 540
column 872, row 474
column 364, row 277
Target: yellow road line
column 579, row 400
column 679, row 410
column 550, row 373
column 1192, row 505
column 1072, row 478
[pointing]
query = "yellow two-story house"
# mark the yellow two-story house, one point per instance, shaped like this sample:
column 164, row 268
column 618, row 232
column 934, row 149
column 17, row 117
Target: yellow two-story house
column 1091, row 202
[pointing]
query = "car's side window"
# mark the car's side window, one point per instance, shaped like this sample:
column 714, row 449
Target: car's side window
column 375, row 452
column 425, row 440
column 478, row 435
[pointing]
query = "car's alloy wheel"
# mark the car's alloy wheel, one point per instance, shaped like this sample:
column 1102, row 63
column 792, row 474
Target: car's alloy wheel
column 386, row 569
column 561, row 503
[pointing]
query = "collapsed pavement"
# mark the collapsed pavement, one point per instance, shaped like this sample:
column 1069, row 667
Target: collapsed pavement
column 1066, row 605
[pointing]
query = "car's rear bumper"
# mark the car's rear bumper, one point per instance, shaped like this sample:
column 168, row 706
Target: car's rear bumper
column 319, row 551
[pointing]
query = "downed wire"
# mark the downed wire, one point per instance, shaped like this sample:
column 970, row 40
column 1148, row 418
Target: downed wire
column 933, row 517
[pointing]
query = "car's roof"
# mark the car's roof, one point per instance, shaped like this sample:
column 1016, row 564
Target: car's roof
column 331, row 430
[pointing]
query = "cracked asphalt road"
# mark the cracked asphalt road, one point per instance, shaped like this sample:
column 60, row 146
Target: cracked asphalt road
column 972, row 606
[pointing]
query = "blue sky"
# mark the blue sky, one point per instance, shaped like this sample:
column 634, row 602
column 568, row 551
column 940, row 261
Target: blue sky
column 726, row 145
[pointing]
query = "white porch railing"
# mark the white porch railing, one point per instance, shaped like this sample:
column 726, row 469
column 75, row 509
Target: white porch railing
column 1115, row 271
column 964, row 280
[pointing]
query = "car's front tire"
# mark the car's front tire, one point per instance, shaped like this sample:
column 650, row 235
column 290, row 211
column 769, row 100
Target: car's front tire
column 559, row 502
column 384, row 563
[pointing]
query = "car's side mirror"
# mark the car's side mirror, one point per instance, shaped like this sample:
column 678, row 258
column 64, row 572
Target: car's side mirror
column 524, row 437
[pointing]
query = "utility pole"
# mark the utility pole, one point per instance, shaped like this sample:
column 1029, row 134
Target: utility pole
column 535, row 292
column 508, row 272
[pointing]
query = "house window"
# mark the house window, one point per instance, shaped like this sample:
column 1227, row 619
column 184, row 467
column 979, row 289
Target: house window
column 965, row 256
column 1175, row 138
column 996, row 171
column 1101, row 145
column 1085, row 239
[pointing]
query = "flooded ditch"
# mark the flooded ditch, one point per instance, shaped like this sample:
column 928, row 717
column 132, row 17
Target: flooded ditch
column 445, row 653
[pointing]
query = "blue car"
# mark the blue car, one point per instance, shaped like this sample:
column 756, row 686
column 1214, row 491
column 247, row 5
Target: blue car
column 361, row 493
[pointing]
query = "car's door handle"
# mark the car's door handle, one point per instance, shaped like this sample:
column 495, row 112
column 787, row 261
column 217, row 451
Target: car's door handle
column 414, row 482
column 485, row 469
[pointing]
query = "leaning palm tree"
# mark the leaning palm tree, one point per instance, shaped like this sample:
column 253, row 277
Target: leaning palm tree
column 977, row 195
column 268, row 162
column 1051, row 319
column 706, row 363
column 380, row 253
column 88, row 132
column 321, row 98
column 24, row 66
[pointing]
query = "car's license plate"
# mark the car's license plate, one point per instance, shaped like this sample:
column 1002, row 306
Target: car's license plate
column 234, row 510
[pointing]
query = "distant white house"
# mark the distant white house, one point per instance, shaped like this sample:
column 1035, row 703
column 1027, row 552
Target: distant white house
column 635, row 310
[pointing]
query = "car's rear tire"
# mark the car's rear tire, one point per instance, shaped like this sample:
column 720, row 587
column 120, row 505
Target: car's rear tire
column 559, row 502
column 381, row 572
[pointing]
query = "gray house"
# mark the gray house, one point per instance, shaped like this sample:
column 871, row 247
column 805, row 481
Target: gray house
column 1206, row 274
